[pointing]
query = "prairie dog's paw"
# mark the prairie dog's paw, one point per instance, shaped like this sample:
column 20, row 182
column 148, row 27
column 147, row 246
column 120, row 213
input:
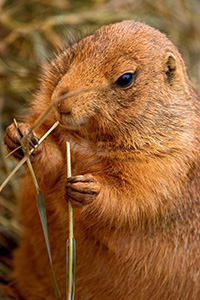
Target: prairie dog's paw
column 82, row 189
column 13, row 139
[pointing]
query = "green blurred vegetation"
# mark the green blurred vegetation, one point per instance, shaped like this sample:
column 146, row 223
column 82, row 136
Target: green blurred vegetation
column 31, row 31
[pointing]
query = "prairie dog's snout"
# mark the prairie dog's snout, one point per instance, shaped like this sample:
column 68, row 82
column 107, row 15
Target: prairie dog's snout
column 64, row 109
column 64, row 106
column 72, row 109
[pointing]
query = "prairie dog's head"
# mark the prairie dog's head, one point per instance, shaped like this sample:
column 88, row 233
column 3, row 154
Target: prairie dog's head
column 134, row 91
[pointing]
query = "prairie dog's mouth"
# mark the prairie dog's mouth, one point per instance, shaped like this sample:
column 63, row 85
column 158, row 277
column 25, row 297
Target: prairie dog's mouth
column 69, row 121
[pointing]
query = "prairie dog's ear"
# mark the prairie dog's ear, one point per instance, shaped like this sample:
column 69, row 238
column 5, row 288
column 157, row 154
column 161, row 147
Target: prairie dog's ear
column 169, row 66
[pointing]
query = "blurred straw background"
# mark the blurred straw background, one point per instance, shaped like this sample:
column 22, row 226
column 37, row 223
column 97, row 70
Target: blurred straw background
column 30, row 33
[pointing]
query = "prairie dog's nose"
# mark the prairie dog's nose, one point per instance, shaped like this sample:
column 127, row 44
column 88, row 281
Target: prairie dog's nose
column 64, row 105
column 59, row 92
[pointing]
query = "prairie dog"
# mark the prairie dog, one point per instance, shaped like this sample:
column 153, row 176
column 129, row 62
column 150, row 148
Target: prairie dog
column 135, row 144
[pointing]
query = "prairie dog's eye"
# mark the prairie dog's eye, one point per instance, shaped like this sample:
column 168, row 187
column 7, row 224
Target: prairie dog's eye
column 125, row 80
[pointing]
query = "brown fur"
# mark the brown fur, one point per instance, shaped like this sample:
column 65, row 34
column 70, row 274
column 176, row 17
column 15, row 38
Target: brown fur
column 138, row 233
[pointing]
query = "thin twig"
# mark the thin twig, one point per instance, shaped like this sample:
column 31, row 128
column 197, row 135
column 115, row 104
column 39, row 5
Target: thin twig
column 70, row 241
column 43, row 219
